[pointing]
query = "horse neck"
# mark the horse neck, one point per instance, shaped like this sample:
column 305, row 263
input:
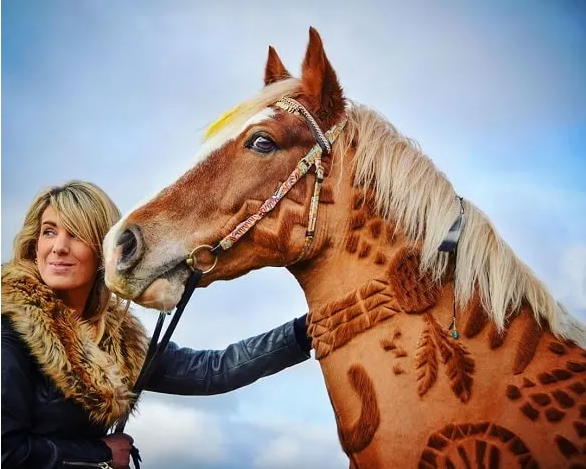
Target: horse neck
column 367, row 274
column 364, row 271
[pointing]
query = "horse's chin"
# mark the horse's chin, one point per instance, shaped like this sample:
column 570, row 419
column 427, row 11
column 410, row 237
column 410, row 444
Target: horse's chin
column 163, row 294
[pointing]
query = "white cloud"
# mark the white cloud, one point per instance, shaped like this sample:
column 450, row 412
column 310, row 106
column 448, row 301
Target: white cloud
column 164, row 431
column 296, row 446
column 279, row 452
column 173, row 434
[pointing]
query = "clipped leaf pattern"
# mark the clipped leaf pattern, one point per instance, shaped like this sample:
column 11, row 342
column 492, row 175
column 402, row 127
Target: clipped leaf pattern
column 426, row 361
column 459, row 363
column 460, row 367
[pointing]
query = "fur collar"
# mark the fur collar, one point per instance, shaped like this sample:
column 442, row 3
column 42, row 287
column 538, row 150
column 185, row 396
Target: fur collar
column 97, row 376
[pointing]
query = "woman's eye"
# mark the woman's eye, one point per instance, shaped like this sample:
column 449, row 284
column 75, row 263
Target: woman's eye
column 48, row 231
column 262, row 144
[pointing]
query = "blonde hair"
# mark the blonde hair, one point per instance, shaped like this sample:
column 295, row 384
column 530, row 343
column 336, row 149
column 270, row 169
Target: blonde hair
column 88, row 213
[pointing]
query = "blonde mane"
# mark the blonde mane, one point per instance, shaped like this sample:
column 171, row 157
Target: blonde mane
column 410, row 191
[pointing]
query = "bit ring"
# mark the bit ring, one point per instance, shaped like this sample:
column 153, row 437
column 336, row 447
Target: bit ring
column 191, row 260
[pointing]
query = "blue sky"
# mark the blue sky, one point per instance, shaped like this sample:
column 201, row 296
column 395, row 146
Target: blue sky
column 119, row 93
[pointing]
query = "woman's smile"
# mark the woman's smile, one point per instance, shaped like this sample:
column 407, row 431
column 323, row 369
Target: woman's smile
column 59, row 267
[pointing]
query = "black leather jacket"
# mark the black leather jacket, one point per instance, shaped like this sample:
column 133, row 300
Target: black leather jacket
column 41, row 429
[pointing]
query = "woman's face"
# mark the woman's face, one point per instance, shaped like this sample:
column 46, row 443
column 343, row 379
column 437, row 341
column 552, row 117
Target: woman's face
column 66, row 264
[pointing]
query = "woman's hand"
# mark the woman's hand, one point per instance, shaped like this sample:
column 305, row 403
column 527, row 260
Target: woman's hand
column 120, row 444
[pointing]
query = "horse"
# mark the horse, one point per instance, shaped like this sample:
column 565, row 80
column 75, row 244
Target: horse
column 438, row 346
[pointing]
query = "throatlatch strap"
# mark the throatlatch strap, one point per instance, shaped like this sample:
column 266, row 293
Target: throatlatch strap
column 450, row 242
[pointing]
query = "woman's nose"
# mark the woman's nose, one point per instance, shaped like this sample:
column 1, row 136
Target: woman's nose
column 61, row 245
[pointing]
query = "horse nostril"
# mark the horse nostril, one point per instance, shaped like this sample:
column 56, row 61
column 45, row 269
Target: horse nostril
column 131, row 242
column 128, row 242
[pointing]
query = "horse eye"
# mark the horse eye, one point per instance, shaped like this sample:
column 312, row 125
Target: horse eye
column 261, row 144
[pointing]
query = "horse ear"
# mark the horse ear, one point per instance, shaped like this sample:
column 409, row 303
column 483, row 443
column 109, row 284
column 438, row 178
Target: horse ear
column 274, row 69
column 320, row 82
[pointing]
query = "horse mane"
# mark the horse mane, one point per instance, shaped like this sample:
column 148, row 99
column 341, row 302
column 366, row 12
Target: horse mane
column 418, row 198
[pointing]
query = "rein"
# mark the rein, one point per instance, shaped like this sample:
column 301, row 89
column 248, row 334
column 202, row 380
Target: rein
column 154, row 351
column 156, row 348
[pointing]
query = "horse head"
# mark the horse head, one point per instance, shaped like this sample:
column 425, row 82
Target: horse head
column 246, row 156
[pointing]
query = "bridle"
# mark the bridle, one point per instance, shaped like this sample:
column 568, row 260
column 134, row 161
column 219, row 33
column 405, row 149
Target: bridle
column 312, row 158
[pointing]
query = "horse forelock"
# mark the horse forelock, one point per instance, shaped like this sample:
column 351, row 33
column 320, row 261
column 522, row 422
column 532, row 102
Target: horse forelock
column 221, row 122
column 233, row 122
column 414, row 194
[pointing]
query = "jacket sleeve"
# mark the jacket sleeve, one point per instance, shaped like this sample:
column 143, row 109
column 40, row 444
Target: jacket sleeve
column 202, row 372
column 20, row 448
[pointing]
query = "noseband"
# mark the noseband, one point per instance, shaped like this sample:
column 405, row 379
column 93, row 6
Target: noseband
column 312, row 158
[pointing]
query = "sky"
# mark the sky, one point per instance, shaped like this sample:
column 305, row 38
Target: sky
column 119, row 93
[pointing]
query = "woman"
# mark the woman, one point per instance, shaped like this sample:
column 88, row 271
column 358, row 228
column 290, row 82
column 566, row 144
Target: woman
column 71, row 351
